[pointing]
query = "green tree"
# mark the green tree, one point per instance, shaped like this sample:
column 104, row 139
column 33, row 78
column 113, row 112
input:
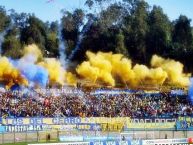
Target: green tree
column 89, row 3
column 120, row 44
column 71, row 23
column 52, row 39
column 4, row 19
column 52, row 44
column 34, row 31
column 159, row 34
column 112, row 15
column 182, row 33
column 182, row 38
column 136, row 30
column 19, row 19
column 54, row 27
column 100, row 4
column 11, row 46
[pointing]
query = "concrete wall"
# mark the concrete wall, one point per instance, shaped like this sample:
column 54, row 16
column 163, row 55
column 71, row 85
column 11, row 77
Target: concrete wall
column 41, row 136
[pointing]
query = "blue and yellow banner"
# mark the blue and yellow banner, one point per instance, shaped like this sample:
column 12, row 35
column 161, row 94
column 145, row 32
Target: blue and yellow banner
column 99, row 123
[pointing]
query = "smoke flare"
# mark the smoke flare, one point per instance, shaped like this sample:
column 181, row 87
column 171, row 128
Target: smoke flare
column 107, row 67
column 32, row 69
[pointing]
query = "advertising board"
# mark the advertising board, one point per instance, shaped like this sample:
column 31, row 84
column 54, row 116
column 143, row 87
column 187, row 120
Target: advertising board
column 129, row 142
column 100, row 140
column 165, row 141
column 2, row 129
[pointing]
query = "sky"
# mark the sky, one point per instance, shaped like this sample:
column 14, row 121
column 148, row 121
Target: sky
column 50, row 11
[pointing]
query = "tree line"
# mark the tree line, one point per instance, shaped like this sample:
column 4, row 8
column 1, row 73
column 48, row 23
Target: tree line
column 130, row 27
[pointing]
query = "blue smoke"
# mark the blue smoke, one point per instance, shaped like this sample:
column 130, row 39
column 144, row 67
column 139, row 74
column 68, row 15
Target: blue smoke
column 62, row 47
column 33, row 73
column 190, row 91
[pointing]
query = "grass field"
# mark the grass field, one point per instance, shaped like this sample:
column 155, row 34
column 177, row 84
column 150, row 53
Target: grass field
column 16, row 144
column 25, row 143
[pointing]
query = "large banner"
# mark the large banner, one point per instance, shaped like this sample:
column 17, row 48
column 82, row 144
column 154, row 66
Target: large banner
column 152, row 123
column 184, row 125
column 76, row 120
column 92, row 123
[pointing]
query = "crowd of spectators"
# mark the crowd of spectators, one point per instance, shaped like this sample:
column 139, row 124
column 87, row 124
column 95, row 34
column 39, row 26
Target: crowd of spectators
column 86, row 104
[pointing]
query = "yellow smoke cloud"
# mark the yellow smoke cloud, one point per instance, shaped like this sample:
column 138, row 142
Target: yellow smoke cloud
column 87, row 71
column 57, row 74
column 107, row 67
column 70, row 78
column 101, row 61
column 10, row 75
column 52, row 65
column 102, row 67
column 97, row 68
column 122, row 68
column 32, row 50
column 174, row 70
column 55, row 70
column 144, row 75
